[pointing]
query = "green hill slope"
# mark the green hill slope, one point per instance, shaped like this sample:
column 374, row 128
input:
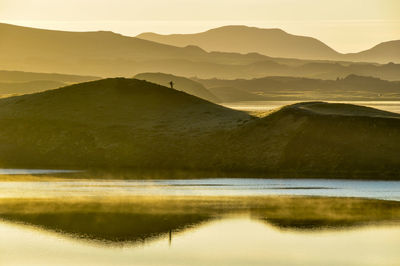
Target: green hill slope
column 129, row 123
column 322, row 140
column 111, row 122
column 180, row 83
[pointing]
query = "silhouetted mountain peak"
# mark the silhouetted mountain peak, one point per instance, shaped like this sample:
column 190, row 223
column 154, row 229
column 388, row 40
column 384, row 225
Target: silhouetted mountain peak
column 243, row 39
column 194, row 48
column 241, row 28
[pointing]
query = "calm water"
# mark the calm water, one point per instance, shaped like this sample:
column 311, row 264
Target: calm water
column 231, row 241
column 391, row 106
column 101, row 222
column 388, row 190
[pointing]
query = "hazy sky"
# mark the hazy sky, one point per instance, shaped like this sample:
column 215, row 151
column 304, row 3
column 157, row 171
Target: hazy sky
column 345, row 25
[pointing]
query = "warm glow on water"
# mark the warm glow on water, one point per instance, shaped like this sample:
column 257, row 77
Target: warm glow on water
column 389, row 190
column 390, row 106
column 231, row 241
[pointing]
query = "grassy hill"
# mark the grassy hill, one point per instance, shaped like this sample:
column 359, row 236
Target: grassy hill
column 112, row 122
column 352, row 87
column 317, row 139
column 129, row 123
column 180, row 83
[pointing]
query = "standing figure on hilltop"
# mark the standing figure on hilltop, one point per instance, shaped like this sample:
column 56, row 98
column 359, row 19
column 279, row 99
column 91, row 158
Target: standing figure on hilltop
column 171, row 83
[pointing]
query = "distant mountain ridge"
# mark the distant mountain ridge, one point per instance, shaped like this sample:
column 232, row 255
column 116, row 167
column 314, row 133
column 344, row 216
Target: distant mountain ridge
column 243, row 39
column 21, row 76
column 383, row 52
column 274, row 43
column 352, row 87
column 19, row 82
column 102, row 53
column 108, row 54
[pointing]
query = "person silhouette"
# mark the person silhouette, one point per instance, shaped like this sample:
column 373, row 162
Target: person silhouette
column 171, row 83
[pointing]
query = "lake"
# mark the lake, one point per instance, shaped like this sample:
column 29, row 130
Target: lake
column 211, row 221
column 262, row 106
column 389, row 190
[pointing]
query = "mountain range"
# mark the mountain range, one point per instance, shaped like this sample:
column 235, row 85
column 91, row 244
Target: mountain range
column 19, row 82
column 274, row 43
column 108, row 54
column 350, row 88
column 100, row 53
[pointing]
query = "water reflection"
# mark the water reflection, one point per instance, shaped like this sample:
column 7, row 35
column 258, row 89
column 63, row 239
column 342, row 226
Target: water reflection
column 231, row 241
column 132, row 220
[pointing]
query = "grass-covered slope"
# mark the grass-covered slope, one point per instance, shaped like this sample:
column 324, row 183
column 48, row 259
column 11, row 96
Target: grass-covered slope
column 318, row 139
column 180, row 83
column 121, row 123
column 112, row 122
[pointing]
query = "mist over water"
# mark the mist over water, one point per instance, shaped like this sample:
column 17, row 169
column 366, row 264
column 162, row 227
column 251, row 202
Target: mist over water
column 211, row 221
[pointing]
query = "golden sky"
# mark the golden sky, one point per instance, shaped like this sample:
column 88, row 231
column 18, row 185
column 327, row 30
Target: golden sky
column 345, row 25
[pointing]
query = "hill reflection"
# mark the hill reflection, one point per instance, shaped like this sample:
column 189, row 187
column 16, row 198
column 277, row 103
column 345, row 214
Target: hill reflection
column 134, row 220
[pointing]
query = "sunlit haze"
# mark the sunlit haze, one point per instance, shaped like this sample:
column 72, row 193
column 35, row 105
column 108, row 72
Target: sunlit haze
column 341, row 24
